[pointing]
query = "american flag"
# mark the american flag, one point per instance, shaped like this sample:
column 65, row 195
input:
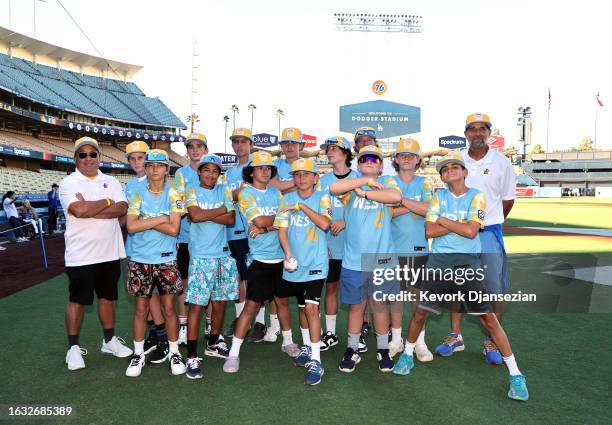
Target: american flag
column 598, row 99
column 549, row 99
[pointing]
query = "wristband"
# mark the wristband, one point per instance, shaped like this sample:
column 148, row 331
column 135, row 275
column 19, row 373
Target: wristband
column 365, row 195
column 370, row 182
column 108, row 202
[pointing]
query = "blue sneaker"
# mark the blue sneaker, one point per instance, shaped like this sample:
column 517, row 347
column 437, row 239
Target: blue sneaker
column 304, row 357
column 518, row 388
column 491, row 352
column 385, row 362
column 349, row 360
column 315, row 372
column 404, row 365
column 450, row 344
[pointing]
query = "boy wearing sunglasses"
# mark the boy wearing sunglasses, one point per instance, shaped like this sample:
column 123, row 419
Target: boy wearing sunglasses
column 186, row 177
column 303, row 219
column 213, row 275
column 153, row 218
column 367, row 200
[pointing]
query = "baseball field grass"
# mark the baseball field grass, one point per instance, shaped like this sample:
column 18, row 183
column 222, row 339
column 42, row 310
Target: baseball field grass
column 560, row 345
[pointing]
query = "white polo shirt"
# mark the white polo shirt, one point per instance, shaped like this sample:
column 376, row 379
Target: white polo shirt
column 91, row 240
column 9, row 208
column 494, row 175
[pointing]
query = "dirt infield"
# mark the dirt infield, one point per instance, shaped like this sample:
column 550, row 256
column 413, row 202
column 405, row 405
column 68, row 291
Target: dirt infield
column 21, row 264
column 511, row 230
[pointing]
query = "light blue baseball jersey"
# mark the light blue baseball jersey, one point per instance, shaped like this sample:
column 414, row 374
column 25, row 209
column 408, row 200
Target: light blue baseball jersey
column 408, row 230
column 233, row 179
column 335, row 243
column 468, row 207
column 308, row 241
column 208, row 239
column 131, row 185
column 254, row 203
column 151, row 246
column 185, row 177
column 284, row 170
column 368, row 228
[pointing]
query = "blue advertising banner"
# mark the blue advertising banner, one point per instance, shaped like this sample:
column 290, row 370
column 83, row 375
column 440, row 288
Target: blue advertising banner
column 265, row 140
column 227, row 160
column 452, row 142
column 10, row 150
column 389, row 119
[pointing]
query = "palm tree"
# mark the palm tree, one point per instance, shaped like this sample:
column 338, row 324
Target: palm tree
column 252, row 107
column 193, row 119
column 234, row 109
column 226, row 119
column 279, row 113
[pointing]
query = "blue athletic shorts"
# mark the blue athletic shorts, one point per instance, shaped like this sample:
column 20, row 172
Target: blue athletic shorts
column 495, row 263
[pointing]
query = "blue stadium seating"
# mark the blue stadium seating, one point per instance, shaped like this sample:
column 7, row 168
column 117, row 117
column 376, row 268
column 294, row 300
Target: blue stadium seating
column 83, row 93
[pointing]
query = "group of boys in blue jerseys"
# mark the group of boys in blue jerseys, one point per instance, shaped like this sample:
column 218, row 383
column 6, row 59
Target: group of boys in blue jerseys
column 269, row 230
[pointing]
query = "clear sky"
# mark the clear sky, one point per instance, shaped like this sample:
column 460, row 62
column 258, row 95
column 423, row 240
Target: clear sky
column 473, row 55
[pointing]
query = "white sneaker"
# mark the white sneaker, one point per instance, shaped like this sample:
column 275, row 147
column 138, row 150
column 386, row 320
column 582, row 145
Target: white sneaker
column 74, row 357
column 20, row 240
column 116, row 347
column 396, row 348
column 177, row 364
column 271, row 335
column 137, row 362
column 182, row 338
column 2, row 248
column 422, row 353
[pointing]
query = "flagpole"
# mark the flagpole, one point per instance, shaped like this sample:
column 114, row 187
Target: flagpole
column 595, row 137
column 547, row 125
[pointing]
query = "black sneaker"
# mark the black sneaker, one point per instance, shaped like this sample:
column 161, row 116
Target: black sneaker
column 229, row 332
column 328, row 340
column 385, row 362
column 150, row 344
column 160, row 354
column 208, row 327
column 349, row 360
column 365, row 329
column 259, row 331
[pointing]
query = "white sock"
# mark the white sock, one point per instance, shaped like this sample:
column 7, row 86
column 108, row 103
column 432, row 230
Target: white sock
column 316, row 350
column 274, row 323
column 511, row 365
column 287, row 337
column 182, row 320
column 236, row 344
column 330, row 320
column 173, row 347
column 305, row 336
column 396, row 335
column 239, row 307
column 139, row 347
column 409, row 348
column 421, row 338
column 261, row 316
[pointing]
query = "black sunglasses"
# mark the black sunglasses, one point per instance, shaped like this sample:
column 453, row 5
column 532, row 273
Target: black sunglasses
column 84, row 155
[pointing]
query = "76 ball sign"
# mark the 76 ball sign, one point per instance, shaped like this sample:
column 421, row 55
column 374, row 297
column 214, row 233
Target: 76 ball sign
column 379, row 87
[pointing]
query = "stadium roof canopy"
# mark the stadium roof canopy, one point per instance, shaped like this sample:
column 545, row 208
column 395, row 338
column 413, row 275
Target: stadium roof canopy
column 33, row 47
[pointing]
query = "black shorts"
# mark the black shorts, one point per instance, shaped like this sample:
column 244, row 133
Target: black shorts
column 454, row 294
column 414, row 263
column 239, row 249
column 333, row 275
column 263, row 280
column 305, row 292
column 182, row 260
column 100, row 277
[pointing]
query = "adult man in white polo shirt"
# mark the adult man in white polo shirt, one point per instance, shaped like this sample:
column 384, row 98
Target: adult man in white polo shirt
column 94, row 245
column 492, row 173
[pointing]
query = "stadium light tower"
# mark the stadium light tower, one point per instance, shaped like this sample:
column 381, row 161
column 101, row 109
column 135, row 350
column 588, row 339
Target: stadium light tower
column 524, row 122
column 368, row 22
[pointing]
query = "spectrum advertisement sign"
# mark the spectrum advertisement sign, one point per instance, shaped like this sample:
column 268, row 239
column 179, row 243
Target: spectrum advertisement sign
column 452, row 142
column 389, row 119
